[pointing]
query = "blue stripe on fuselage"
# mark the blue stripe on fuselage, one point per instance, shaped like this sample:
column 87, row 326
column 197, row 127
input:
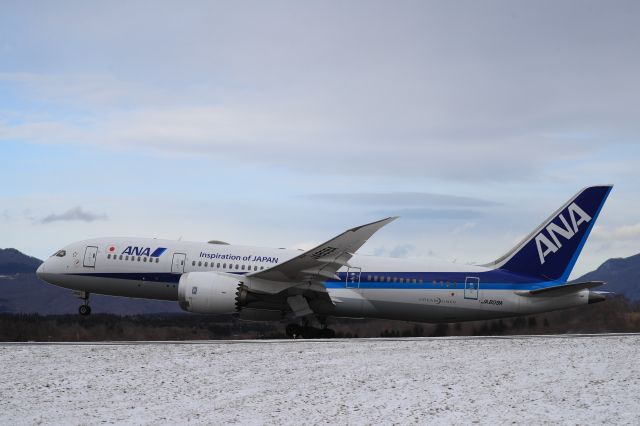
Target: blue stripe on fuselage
column 158, row 252
column 489, row 280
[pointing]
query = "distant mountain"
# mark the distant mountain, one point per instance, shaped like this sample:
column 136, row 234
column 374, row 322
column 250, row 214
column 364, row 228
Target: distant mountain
column 13, row 261
column 22, row 291
column 622, row 276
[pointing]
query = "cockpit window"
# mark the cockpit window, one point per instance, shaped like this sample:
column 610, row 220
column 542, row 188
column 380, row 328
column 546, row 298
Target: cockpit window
column 60, row 253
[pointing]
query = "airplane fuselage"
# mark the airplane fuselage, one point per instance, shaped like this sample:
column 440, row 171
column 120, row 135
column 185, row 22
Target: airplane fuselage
column 370, row 287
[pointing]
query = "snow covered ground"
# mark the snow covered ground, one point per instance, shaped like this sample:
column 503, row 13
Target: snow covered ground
column 586, row 380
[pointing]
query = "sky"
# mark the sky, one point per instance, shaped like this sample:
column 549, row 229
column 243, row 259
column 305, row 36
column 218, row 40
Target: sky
column 281, row 124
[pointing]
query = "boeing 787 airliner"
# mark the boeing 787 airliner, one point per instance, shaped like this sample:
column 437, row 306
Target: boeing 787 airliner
column 264, row 284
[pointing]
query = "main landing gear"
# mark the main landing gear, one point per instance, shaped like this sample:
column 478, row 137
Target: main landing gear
column 301, row 309
column 296, row 331
column 84, row 309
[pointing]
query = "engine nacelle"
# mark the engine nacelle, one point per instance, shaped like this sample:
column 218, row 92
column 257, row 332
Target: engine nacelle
column 208, row 292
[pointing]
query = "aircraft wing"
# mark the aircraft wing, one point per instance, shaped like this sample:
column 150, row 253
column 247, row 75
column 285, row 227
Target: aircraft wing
column 560, row 290
column 321, row 262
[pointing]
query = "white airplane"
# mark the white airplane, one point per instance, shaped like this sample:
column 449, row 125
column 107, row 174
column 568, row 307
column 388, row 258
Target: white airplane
column 263, row 284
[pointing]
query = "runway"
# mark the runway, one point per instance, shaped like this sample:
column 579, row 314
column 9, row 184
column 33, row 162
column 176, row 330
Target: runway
column 571, row 379
column 292, row 341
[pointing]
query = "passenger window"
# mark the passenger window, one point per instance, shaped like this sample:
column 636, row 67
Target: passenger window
column 243, row 267
column 138, row 258
column 199, row 263
column 120, row 257
column 261, row 268
column 126, row 257
column 144, row 259
column 224, row 266
column 206, row 264
column 237, row 266
column 157, row 260
column 108, row 255
column 255, row 268
column 218, row 265
column 193, row 263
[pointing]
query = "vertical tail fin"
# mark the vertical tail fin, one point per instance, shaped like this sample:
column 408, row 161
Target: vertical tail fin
column 552, row 249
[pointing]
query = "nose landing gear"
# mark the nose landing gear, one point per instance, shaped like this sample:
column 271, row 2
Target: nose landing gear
column 84, row 309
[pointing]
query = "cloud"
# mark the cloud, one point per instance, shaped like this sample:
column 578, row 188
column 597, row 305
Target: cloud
column 289, row 136
column 400, row 199
column 441, row 94
column 398, row 251
column 74, row 214
column 463, row 228
column 624, row 232
column 435, row 214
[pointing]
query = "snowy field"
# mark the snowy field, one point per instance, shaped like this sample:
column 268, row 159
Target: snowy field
column 536, row 380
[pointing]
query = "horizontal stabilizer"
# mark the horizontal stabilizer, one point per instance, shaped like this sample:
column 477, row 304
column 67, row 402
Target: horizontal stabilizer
column 560, row 290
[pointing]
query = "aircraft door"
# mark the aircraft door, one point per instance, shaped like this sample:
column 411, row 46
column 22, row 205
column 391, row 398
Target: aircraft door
column 471, row 287
column 177, row 265
column 353, row 278
column 353, row 300
column 90, row 254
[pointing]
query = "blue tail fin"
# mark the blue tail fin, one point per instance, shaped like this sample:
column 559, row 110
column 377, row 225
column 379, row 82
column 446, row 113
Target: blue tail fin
column 552, row 249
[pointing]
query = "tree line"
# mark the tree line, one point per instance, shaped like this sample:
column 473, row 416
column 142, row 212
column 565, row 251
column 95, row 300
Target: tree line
column 614, row 316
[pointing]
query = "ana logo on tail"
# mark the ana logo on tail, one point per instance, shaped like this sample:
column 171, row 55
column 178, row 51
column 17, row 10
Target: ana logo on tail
column 547, row 244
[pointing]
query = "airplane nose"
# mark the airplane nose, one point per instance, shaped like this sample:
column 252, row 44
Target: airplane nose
column 40, row 270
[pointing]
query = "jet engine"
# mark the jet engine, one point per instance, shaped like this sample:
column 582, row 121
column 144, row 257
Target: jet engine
column 209, row 292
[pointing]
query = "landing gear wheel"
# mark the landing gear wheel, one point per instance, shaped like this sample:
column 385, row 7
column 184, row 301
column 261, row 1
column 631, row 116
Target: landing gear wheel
column 84, row 310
